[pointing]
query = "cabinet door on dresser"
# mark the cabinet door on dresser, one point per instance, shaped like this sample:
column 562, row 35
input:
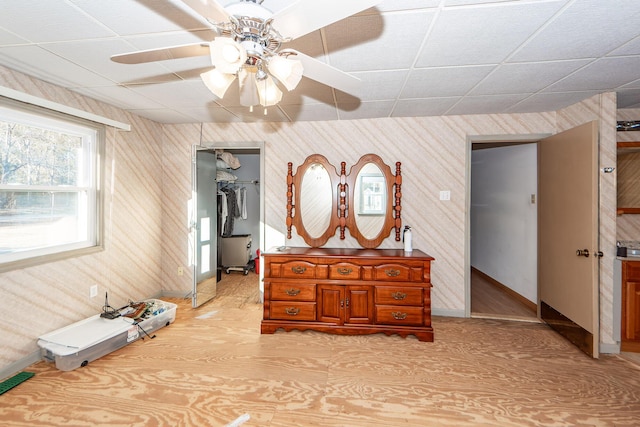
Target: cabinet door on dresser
column 345, row 304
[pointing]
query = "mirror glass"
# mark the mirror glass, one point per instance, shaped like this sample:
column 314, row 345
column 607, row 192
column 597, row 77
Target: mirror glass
column 370, row 200
column 315, row 202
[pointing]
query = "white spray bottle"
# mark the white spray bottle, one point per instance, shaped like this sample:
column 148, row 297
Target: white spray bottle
column 407, row 239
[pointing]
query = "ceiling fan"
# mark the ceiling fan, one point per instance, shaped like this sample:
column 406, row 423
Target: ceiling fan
column 248, row 47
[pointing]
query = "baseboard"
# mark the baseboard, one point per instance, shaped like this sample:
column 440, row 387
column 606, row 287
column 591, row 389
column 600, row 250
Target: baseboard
column 606, row 348
column 447, row 313
column 19, row 365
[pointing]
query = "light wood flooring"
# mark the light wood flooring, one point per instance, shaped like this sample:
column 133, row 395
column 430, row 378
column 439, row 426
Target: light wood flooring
column 212, row 366
column 489, row 300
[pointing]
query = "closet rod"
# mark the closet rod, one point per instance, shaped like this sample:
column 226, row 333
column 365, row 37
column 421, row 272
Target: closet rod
column 253, row 181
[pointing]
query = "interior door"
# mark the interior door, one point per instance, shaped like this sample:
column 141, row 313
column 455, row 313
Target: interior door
column 568, row 258
column 205, row 190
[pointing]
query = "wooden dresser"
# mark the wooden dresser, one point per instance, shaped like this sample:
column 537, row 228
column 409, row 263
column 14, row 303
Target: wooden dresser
column 348, row 291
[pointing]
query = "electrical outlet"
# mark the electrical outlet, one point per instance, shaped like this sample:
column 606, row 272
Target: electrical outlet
column 180, row 271
column 93, row 291
column 445, row 195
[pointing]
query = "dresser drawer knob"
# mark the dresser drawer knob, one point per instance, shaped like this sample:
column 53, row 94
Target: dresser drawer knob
column 292, row 311
column 399, row 316
column 298, row 269
column 292, row 292
column 344, row 271
column 392, row 272
column 398, row 295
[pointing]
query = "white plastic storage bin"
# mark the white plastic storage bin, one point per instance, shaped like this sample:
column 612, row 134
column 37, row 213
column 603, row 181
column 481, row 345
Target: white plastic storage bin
column 87, row 340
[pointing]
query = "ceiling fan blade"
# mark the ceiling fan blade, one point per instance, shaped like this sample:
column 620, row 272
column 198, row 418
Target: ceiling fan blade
column 210, row 10
column 325, row 73
column 162, row 54
column 305, row 16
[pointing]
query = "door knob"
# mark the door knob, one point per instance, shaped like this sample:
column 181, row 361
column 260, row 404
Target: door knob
column 583, row 252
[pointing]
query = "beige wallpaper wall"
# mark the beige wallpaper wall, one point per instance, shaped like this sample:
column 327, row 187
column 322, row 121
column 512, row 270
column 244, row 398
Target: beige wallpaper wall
column 37, row 300
column 148, row 191
column 433, row 152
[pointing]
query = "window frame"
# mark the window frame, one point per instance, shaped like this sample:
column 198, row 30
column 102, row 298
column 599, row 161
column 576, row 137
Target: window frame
column 55, row 120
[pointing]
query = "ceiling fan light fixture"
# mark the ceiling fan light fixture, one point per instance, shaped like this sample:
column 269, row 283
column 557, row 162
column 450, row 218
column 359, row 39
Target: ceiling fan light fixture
column 286, row 71
column 268, row 92
column 227, row 55
column 248, row 89
column 217, row 82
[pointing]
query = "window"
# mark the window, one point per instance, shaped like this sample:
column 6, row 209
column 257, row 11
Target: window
column 49, row 176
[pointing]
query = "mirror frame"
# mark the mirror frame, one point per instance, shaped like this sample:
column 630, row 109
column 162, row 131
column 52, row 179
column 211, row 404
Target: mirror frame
column 343, row 197
column 294, row 211
column 392, row 209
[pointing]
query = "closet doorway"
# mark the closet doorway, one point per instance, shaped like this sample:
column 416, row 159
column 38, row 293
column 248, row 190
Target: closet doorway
column 228, row 220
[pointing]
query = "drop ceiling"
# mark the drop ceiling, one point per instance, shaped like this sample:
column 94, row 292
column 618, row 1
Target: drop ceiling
column 414, row 57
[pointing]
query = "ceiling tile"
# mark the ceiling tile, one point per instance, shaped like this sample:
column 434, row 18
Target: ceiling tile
column 31, row 60
column 480, row 104
column 177, row 94
column 372, row 43
column 630, row 48
column 526, row 77
column 51, row 21
column 8, row 38
column 365, row 110
column 443, row 82
column 123, row 16
column 609, row 25
column 95, row 55
column 603, row 74
column 376, row 85
column 164, row 116
column 482, row 35
column 314, row 112
column 120, row 97
column 549, row 101
column 391, row 5
column 423, row 107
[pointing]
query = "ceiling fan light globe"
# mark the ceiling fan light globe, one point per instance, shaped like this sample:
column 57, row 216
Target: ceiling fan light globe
column 287, row 71
column 227, row 55
column 248, row 88
column 217, row 82
column 268, row 92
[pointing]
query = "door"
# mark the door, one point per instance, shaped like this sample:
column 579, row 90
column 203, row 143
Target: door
column 568, row 262
column 205, row 228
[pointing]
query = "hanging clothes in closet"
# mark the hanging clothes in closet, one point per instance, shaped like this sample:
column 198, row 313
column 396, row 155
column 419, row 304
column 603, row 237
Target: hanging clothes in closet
column 232, row 212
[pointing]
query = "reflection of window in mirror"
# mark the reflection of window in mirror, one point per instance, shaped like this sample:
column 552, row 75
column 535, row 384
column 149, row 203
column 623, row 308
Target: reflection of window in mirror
column 372, row 194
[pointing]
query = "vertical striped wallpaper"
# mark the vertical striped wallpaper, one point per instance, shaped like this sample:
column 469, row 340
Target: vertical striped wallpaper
column 148, row 192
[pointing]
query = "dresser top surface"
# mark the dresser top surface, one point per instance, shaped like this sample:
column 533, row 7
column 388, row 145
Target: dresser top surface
column 347, row 252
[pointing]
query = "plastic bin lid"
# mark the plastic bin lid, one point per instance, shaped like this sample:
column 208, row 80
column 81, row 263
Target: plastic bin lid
column 88, row 332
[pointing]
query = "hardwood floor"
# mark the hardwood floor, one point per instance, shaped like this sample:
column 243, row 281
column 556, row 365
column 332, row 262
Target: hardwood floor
column 491, row 300
column 213, row 366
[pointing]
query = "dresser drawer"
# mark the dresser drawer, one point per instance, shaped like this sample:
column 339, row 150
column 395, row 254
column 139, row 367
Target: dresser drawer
column 294, row 269
column 344, row 270
column 293, row 292
column 294, row 310
column 399, row 315
column 397, row 273
column 390, row 295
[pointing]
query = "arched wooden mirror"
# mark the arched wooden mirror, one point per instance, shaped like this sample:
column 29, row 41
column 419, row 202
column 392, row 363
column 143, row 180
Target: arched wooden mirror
column 312, row 200
column 367, row 201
